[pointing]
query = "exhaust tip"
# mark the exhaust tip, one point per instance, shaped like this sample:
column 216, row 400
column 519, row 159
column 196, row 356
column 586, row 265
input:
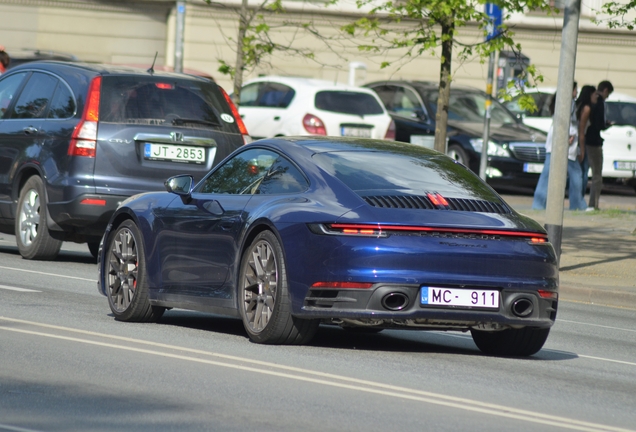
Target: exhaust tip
column 395, row 301
column 522, row 307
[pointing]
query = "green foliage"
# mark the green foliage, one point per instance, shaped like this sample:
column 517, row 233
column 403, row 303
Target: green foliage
column 617, row 12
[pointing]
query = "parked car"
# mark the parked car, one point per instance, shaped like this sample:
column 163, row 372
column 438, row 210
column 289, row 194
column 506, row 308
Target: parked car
column 282, row 106
column 78, row 139
column 619, row 146
column 387, row 222
column 22, row 56
column 515, row 152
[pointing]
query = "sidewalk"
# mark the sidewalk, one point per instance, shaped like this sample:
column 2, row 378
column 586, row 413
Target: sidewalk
column 598, row 258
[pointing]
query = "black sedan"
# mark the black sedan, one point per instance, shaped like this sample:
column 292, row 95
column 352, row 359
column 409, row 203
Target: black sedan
column 516, row 152
column 290, row 233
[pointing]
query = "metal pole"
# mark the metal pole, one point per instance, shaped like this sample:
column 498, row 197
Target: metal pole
column 483, row 162
column 178, row 43
column 559, row 158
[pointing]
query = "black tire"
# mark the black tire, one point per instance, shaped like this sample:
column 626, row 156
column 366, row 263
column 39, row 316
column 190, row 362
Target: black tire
column 459, row 154
column 93, row 248
column 264, row 301
column 511, row 342
column 126, row 278
column 31, row 231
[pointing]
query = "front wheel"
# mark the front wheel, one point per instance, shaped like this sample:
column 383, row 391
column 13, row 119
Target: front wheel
column 511, row 342
column 264, row 300
column 126, row 277
column 31, row 232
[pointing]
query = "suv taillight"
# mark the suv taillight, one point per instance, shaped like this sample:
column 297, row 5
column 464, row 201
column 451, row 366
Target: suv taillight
column 390, row 132
column 239, row 121
column 314, row 125
column 84, row 138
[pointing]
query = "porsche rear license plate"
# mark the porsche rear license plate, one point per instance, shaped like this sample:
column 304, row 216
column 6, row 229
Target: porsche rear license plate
column 355, row 132
column 459, row 297
column 174, row 153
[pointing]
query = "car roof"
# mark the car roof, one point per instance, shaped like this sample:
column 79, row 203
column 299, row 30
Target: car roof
column 100, row 69
column 422, row 85
column 311, row 84
column 322, row 144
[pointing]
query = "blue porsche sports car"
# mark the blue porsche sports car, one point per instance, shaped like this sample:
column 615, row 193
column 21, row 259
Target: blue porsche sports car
column 288, row 233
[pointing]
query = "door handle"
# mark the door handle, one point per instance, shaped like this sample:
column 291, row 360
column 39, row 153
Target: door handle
column 30, row 130
column 277, row 118
column 227, row 224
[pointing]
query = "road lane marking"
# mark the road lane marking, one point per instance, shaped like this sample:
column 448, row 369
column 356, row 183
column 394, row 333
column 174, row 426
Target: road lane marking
column 4, row 427
column 47, row 274
column 327, row 379
column 10, row 288
column 607, row 360
column 597, row 325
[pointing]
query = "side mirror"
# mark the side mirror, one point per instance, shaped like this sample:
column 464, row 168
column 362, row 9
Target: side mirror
column 418, row 113
column 180, row 185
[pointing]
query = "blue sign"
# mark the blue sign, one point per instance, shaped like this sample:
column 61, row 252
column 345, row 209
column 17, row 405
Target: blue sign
column 494, row 22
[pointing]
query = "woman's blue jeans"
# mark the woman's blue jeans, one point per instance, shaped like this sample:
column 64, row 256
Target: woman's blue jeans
column 575, row 186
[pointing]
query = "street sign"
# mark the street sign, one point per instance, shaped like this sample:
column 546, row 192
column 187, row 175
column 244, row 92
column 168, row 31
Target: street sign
column 494, row 22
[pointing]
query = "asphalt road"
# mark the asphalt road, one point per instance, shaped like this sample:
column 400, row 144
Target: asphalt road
column 66, row 365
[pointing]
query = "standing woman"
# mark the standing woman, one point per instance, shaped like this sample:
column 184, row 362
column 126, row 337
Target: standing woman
column 5, row 60
column 587, row 98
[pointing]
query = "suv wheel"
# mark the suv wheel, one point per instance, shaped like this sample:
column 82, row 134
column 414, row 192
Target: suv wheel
column 31, row 232
column 459, row 154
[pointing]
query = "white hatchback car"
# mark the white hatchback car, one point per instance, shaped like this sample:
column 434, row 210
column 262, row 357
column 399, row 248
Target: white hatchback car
column 619, row 146
column 283, row 106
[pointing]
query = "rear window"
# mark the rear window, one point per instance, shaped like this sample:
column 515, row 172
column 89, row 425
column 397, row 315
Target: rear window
column 164, row 101
column 407, row 171
column 347, row 102
column 621, row 113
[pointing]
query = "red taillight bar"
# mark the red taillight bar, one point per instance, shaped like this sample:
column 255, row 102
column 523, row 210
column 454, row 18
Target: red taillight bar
column 440, row 229
column 93, row 201
column 343, row 285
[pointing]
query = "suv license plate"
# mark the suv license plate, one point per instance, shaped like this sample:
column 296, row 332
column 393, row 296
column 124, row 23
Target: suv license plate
column 355, row 132
column 625, row 165
column 174, row 153
column 459, row 297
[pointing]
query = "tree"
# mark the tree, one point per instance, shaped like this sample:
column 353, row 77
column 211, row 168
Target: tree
column 253, row 42
column 617, row 12
column 420, row 27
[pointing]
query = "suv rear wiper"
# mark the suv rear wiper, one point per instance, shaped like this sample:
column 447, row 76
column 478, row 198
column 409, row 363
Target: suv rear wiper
column 180, row 121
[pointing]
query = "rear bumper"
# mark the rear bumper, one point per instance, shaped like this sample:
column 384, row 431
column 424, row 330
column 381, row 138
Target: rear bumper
column 369, row 307
column 87, row 214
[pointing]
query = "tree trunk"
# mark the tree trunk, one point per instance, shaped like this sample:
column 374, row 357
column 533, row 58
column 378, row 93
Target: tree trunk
column 441, row 116
column 240, row 62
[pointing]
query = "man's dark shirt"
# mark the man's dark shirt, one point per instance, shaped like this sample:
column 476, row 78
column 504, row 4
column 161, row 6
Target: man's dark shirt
column 597, row 124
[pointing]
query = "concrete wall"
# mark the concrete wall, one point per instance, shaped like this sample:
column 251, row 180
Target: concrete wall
column 131, row 32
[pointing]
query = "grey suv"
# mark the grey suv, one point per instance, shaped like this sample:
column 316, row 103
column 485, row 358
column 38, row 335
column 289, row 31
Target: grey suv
column 78, row 139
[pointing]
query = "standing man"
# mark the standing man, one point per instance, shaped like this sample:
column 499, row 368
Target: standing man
column 594, row 142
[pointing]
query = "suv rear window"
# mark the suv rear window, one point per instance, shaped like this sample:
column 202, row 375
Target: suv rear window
column 164, row 101
column 347, row 102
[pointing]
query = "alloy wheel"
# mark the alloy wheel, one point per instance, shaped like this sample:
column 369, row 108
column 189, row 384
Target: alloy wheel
column 29, row 217
column 123, row 268
column 261, row 283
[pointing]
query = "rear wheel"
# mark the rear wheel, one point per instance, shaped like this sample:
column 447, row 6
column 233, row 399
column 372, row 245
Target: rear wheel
column 265, row 304
column 31, row 231
column 126, row 277
column 458, row 153
column 511, row 342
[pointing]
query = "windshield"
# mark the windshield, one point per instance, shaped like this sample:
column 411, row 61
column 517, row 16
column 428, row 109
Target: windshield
column 470, row 106
column 621, row 113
